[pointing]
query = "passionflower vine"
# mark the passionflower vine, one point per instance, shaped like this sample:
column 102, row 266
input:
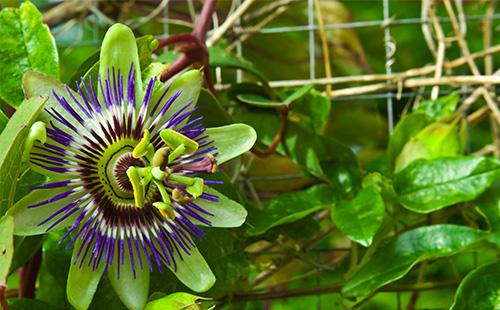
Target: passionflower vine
column 125, row 166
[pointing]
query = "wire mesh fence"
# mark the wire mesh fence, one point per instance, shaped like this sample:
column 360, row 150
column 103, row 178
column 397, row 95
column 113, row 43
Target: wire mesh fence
column 391, row 85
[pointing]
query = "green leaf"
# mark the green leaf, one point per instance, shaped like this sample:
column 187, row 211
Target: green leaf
column 321, row 156
column 211, row 109
column 27, row 304
column 480, row 289
column 28, row 219
column 175, row 301
column 429, row 185
column 6, row 247
column 489, row 205
column 3, row 121
column 361, row 217
column 146, row 45
column 26, row 45
column 220, row 56
column 435, row 140
column 259, row 101
column 407, row 128
column 53, row 276
column 291, row 207
column 299, row 93
column 231, row 140
column 24, row 249
column 12, row 148
column 82, row 280
column 132, row 289
column 440, row 108
column 310, row 110
column 226, row 212
column 193, row 271
column 119, row 51
column 393, row 260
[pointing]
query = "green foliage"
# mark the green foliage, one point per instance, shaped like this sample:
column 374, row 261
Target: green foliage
column 173, row 301
column 319, row 155
column 440, row 108
column 27, row 45
column 427, row 186
column 6, row 247
column 12, row 149
column 360, row 218
column 393, row 260
column 322, row 177
column 480, row 289
column 291, row 207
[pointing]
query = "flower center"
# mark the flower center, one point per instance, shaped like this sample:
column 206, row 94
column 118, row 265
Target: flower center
column 126, row 161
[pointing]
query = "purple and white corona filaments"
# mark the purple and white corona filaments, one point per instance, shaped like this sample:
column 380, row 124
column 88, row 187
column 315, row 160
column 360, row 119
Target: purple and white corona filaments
column 129, row 169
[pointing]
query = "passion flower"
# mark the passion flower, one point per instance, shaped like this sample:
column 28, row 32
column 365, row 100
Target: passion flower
column 126, row 166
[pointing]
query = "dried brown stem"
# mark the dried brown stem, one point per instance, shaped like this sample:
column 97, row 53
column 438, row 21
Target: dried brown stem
column 440, row 55
column 229, row 22
column 414, row 296
column 324, row 46
column 336, row 288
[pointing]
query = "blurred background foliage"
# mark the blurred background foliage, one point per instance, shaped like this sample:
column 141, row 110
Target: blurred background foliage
column 333, row 150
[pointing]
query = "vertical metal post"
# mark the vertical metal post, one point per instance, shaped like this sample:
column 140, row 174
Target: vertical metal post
column 312, row 56
column 389, row 51
column 239, row 47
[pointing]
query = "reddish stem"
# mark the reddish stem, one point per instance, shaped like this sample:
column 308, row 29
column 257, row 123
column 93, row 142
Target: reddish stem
column 192, row 46
column 177, row 66
column 28, row 274
column 176, row 38
column 3, row 299
column 277, row 138
column 204, row 20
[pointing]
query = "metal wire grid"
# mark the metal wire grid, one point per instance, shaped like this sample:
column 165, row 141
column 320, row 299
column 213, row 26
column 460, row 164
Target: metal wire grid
column 387, row 22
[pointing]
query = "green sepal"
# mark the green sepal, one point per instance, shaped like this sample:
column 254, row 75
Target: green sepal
column 226, row 212
column 27, row 219
column 133, row 290
column 82, row 281
column 119, row 52
column 193, row 271
column 231, row 140
column 189, row 83
column 38, row 133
